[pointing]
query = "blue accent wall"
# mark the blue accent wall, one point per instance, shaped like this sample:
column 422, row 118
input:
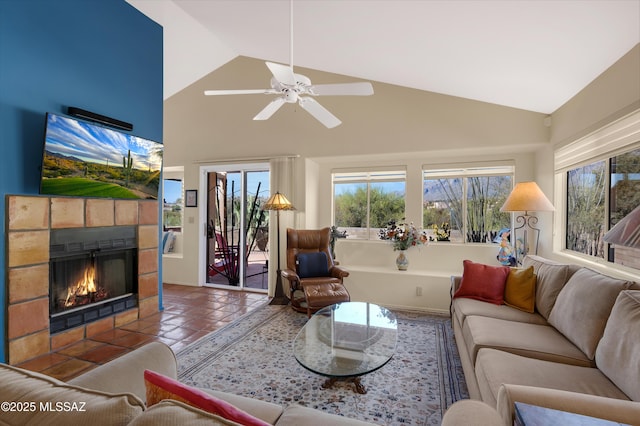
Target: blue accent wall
column 103, row 56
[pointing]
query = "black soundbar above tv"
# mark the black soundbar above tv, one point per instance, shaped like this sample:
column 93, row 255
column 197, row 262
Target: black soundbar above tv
column 92, row 116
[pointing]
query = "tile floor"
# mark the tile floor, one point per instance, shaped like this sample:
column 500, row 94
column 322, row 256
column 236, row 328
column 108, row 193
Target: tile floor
column 189, row 314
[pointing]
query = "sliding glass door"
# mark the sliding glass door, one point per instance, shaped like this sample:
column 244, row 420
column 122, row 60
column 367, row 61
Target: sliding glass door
column 237, row 229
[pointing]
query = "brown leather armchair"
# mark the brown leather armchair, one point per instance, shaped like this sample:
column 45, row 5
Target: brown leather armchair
column 311, row 293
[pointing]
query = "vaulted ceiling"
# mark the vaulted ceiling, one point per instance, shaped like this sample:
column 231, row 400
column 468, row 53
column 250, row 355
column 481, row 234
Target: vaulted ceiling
column 528, row 54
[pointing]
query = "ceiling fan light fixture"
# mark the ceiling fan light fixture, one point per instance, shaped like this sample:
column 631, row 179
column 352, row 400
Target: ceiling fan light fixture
column 290, row 86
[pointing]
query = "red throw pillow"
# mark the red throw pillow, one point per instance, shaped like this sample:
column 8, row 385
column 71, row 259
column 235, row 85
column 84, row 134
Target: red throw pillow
column 160, row 387
column 483, row 282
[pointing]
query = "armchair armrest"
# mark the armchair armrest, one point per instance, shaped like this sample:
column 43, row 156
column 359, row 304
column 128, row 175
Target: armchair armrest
column 290, row 275
column 616, row 410
column 338, row 272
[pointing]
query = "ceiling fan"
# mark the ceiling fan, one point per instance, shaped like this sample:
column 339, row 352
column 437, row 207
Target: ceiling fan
column 292, row 88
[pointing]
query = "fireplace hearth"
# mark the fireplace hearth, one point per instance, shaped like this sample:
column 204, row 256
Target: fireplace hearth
column 33, row 328
column 92, row 274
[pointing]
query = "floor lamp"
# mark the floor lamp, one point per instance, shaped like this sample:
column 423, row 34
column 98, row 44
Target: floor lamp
column 526, row 197
column 278, row 202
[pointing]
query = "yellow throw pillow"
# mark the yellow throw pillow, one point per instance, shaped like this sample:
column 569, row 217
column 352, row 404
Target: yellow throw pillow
column 520, row 289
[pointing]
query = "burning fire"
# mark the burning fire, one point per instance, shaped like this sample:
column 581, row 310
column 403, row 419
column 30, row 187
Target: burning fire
column 85, row 287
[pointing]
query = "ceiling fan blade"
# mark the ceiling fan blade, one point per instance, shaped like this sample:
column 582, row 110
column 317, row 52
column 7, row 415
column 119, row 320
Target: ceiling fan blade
column 282, row 73
column 319, row 112
column 240, row 92
column 270, row 109
column 354, row 89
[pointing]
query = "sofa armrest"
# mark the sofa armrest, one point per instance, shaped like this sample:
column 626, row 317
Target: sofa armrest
column 616, row 410
column 471, row 412
column 126, row 373
column 455, row 285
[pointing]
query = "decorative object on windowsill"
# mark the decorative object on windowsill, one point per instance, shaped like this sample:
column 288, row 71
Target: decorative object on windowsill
column 335, row 234
column 442, row 232
column 626, row 232
column 526, row 197
column 505, row 254
column 402, row 236
column 278, row 202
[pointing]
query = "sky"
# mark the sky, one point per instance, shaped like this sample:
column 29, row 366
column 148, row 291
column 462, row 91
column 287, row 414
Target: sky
column 96, row 144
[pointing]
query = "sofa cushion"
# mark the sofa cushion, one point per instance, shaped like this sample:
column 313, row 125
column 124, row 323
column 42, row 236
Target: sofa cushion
column 160, row 387
column 495, row 367
column 541, row 342
column 618, row 353
column 483, row 282
column 172, row 413
column 77, row 405
column 520, row 289
column 463, row 308
column 583, row 306
column 550, row 278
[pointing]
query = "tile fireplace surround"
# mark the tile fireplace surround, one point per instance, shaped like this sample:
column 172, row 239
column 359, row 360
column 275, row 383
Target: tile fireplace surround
column 29, row 222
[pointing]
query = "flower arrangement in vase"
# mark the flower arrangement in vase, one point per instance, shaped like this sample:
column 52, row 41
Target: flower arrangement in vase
column 402, row 236
column 442, row 232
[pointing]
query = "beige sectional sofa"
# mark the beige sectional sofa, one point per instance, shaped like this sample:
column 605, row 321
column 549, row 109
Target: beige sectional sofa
column 114, row 394
column 579, row 351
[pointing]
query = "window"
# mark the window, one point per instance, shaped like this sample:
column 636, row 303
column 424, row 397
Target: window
column 468, row 201
column 364, row 202
column 173, row 199
column 599, row 195
column 597, row 181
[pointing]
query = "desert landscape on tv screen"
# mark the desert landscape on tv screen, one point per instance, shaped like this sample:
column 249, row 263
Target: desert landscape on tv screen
column 86, row 160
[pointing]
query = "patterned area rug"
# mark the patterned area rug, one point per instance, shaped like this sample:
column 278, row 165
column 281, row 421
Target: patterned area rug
column 253, row 357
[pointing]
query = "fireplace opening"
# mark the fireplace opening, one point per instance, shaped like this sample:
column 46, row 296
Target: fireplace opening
column 92, row 274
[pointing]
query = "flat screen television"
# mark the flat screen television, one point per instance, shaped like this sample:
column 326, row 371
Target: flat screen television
column 87, row 160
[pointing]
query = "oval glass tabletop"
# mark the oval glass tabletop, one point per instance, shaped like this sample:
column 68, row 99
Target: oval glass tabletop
column 347, row 339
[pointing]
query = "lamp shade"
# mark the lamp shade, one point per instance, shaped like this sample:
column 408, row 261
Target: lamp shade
column 278, row 202
column 527, row 196
column 627, row 231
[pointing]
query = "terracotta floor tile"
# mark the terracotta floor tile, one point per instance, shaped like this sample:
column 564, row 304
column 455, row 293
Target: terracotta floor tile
column 68, row 369
column 80, row 348
column 179, row 333
column 111, row 335
column 158, row 328
column 133, row 340
column 200, row 323
column 189, row 314
column 103, row 354
column 44, row 362
column 138, row 325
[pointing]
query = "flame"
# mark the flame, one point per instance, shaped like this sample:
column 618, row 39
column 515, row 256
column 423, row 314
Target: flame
column 83, row 287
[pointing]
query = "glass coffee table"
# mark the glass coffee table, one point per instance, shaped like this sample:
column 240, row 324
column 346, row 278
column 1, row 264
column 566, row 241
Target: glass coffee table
column 347, row 340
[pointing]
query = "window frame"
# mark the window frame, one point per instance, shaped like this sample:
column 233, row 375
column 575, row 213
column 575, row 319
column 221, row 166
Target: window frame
column 367, row 176
column 464, row 171
column 618, row 137
column 177, row 174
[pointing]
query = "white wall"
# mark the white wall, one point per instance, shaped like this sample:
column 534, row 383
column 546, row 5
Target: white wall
column 395, row 126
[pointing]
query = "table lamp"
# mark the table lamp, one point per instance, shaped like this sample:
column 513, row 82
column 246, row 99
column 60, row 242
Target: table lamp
column 527, row 197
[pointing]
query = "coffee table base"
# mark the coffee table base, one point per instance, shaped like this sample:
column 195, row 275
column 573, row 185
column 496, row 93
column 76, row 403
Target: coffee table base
column 358, row 387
